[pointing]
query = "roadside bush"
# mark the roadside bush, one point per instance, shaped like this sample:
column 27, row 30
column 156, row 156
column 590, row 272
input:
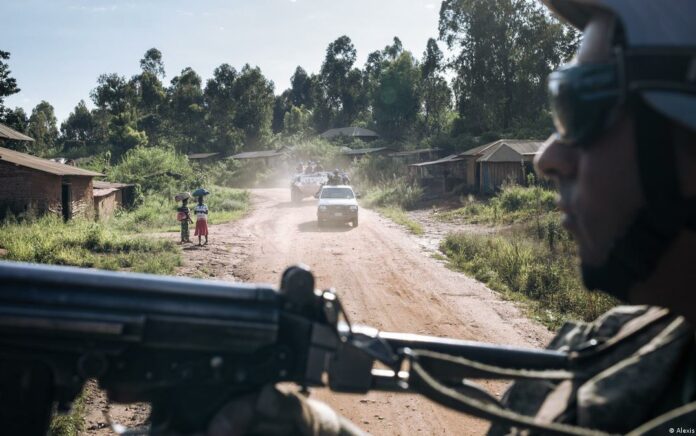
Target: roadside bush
column 155, row 169
column 395, row 192
column 525, row 268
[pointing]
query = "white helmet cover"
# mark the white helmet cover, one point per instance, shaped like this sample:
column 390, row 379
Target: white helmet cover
column 648, row 24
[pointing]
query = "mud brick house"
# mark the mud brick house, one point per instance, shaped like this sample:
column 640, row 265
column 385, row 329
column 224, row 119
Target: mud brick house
column 29, row 184
column 109, row 196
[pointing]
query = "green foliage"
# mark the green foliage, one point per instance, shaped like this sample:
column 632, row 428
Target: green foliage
column 84, row 243
column 8, row 84
column 503, row 52
column 42, row 127
column 159, row 170
column 526, row 268
column 317, row 149
column 397, row 97
column 72, row 423
column 393, row 192
column 513, row 204
column 399, row 216
column 157, row 212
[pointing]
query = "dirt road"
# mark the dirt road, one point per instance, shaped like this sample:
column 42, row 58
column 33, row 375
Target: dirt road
column 385, row 279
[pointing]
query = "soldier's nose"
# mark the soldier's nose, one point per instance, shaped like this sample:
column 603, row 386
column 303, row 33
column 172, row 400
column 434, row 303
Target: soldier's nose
column 556, row 160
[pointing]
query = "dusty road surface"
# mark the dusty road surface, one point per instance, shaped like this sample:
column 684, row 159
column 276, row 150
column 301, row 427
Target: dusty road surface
column 384, row 278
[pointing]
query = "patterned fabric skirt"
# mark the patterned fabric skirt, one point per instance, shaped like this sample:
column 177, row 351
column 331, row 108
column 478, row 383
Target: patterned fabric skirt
column 201, row 228
column 184, row 230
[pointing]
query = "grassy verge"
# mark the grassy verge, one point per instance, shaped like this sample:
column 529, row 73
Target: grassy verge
column 85, row 243
column 157, row 213
column 514, row 204
column 399, row 216
column 534, row 261
column 392, row 193
column 73, row 422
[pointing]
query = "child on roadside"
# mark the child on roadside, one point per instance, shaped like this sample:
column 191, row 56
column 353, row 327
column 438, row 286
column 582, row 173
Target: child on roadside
column 184, row 217
column 201, row 211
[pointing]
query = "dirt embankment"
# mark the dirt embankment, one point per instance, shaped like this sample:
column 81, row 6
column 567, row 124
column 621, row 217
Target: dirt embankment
column 385, row 278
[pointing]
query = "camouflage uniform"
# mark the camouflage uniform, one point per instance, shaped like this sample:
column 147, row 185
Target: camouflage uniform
column 635, row 363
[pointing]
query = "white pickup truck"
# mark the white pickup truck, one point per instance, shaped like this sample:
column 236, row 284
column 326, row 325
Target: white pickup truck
column 337, row 204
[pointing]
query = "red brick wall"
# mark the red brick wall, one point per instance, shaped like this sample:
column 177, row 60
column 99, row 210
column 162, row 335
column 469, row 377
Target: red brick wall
column 24, row 189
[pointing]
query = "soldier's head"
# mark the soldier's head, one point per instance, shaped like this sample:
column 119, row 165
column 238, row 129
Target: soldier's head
column 624, row 154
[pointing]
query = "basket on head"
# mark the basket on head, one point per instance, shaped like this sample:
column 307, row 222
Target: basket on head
column 182, row 196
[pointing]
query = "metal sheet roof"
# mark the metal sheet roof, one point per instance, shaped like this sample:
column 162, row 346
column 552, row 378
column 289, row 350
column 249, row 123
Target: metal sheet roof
column 45, row 165
column 508, row 150
column 445, row 160
column 103, row 192
column 256, row 154
column 9, row 133
column 354, row 132
column 414, row 152
column 100, row 184
column 201, row 155
column 357, row 151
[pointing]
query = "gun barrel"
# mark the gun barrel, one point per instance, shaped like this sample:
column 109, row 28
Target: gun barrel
column 491, row 354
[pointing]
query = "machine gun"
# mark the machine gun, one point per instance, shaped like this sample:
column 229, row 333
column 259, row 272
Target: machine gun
column 188, row 346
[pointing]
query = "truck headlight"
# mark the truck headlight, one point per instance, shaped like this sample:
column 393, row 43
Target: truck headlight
column 354, row 208
column 322, row 207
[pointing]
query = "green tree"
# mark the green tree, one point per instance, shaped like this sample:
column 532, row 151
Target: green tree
column 301, row 89
column 503, row 51
column 152, row 63
column 437, row 96
column 221, row 108
column 8, row 84
column 117, row 102
column 281, row 106
column 297, row 121
column 342, row 94
column 187, row 112
column 254, row 98
column 17, row 119
column 42, row 127
column 78, row 129
column 397, row 97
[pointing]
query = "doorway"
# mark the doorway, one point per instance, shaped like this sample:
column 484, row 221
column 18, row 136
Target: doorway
column 66, row 201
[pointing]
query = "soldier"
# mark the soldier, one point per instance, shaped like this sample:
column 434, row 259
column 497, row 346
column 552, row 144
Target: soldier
column 624, row 159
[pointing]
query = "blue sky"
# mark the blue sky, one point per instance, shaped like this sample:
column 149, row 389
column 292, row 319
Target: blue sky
column 59, row 47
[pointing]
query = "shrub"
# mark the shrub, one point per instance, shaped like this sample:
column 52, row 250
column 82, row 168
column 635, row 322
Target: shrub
column 395, row 192
column 525, row 268
column 155, row 169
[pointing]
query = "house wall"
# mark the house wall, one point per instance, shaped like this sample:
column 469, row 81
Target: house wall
column 23, row 189
column 105, row 206
column 82, row 196
column 493, row 174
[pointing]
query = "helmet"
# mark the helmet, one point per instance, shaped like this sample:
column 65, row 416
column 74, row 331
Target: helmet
column 664, row 27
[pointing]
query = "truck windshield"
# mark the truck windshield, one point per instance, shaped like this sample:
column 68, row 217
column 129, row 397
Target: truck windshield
column 337, row 193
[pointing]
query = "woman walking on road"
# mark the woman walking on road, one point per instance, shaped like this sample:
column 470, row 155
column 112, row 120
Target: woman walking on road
column 183, row 215
column 201, row 211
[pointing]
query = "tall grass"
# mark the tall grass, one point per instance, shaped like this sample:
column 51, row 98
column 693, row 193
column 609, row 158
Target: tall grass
column 513, row 204
column 157, row 213
column 84, row 243
column 535, row 260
